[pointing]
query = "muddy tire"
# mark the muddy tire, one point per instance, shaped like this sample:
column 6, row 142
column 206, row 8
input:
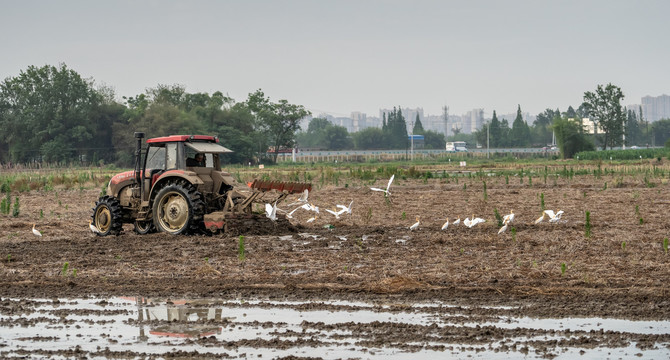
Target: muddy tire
column 144, row 227
column 107, row 216
column 178, row 209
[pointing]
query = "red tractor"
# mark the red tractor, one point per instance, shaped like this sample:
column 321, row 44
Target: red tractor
column 178, row 187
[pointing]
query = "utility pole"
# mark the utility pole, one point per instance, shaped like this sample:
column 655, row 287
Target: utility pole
column 488, row 127
column 445, row 109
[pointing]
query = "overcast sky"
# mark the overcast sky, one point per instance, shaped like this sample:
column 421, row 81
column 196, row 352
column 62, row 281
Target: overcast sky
column 343, row 56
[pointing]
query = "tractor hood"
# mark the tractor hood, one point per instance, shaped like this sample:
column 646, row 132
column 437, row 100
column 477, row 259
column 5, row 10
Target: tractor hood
column 207, row 147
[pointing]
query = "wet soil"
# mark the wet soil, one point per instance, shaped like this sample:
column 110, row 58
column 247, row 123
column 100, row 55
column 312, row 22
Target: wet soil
column 537, row 270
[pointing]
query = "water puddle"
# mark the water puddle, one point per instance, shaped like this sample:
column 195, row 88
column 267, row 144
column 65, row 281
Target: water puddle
column 102, row 328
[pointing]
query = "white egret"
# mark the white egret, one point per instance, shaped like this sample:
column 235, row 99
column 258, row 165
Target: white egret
column 36, row 232
column 346, row 208
column 92, row 227
column 388, row 187
column 302, row 199
column 457, row 221
column 290, row 214
column 502, row 229
column 312, row 219
column 271, row 211
column 445, row 225
column 508, row 218
column 549, row 214
column 337, row 213
column 415, row 225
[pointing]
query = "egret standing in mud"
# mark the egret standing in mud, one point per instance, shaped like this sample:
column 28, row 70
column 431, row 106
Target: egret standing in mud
column 415, row 225
column 445, row 225
column 36, row 232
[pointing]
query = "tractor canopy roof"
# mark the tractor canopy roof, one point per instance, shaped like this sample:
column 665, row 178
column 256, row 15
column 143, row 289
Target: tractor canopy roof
column 199, row 143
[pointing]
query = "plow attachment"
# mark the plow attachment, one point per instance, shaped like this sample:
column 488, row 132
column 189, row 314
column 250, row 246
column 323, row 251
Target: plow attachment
column 238, row 206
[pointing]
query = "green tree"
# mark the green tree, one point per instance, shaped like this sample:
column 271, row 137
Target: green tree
column 660, row 131
column 279, row 121
column 570, row 137
column 520, row 132
column 371, row 138
column 433, row 140
column 633, row 129
column 542, row 125
column 46, row 113
column 604, row 107
column 395, row 131
column 418, row 127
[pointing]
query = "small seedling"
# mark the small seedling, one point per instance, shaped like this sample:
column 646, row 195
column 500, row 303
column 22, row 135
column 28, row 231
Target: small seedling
column 74, row 272
column 641, row 221
column 485, row 194
column 206, row 259
column 623, row 245
column 513, row 231
column 403, row 216
column 563, row 267
column 637, row 210
column 63, row 272
column 542, row 202
column 587, row 225
column 41, row 214
column 9, row 256
column 665, row 245
column 498, row 217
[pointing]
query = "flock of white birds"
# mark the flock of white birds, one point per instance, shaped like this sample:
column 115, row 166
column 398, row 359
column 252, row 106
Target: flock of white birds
column 271, row 212
column 304, row 204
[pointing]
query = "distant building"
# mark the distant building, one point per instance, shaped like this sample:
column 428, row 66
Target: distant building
column 589, row 126
column 655, row 108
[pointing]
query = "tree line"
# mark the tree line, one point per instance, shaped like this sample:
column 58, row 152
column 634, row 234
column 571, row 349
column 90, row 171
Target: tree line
column 51, row 114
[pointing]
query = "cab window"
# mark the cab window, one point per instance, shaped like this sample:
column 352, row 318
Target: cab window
column 156, row 158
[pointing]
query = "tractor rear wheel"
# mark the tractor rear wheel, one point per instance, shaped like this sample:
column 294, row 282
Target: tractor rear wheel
column 107, row 216
column 178, row 209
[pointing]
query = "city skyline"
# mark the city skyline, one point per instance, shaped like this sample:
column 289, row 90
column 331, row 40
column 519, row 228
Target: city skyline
column 353, row 56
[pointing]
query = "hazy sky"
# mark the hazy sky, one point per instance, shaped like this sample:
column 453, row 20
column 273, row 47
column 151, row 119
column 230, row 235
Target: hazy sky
column 343, row 56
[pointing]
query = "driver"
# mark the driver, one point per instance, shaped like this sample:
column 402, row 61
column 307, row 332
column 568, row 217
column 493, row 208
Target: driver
column 199, row 160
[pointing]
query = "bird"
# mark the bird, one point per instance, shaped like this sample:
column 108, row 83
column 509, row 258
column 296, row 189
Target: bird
column 445, row 225
column 290, row 214
column 271, row 211
column 302, row 199
column 92, row 227
column 508, row 218
column 337, row 213
column 312, row 219
column 502, row 229
column 549, row 214
column 415, row 225
column 457, row 221
column 311, row 207
column 473, row 221
column 347, row 208
column 388, row 187
column 36, row 232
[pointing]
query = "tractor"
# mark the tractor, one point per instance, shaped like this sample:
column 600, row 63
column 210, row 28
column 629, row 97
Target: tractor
column 178, row 187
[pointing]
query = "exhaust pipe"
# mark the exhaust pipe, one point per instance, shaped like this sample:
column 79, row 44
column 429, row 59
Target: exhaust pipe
column 138, row 157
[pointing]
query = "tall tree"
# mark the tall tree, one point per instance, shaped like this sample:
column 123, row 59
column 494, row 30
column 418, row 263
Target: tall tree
column 494, row 136
column 279, row 121
column 542, row 125
column 418, row 127
column 520, row 131
column 604, row 107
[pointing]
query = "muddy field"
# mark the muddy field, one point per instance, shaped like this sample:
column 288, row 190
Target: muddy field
column 369, row 261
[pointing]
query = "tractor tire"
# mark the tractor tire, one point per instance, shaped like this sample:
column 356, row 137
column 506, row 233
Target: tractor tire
column 179, row 209
column 144, row 227
column 107, row 216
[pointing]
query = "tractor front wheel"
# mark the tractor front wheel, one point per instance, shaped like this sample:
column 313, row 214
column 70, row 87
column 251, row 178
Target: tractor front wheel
column 107, row 216
column 178, row 209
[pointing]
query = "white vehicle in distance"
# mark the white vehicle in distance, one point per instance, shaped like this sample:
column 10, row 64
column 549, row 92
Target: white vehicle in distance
column 456, row 146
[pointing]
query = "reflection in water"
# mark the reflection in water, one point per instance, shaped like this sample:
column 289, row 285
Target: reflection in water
column 99, row 328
